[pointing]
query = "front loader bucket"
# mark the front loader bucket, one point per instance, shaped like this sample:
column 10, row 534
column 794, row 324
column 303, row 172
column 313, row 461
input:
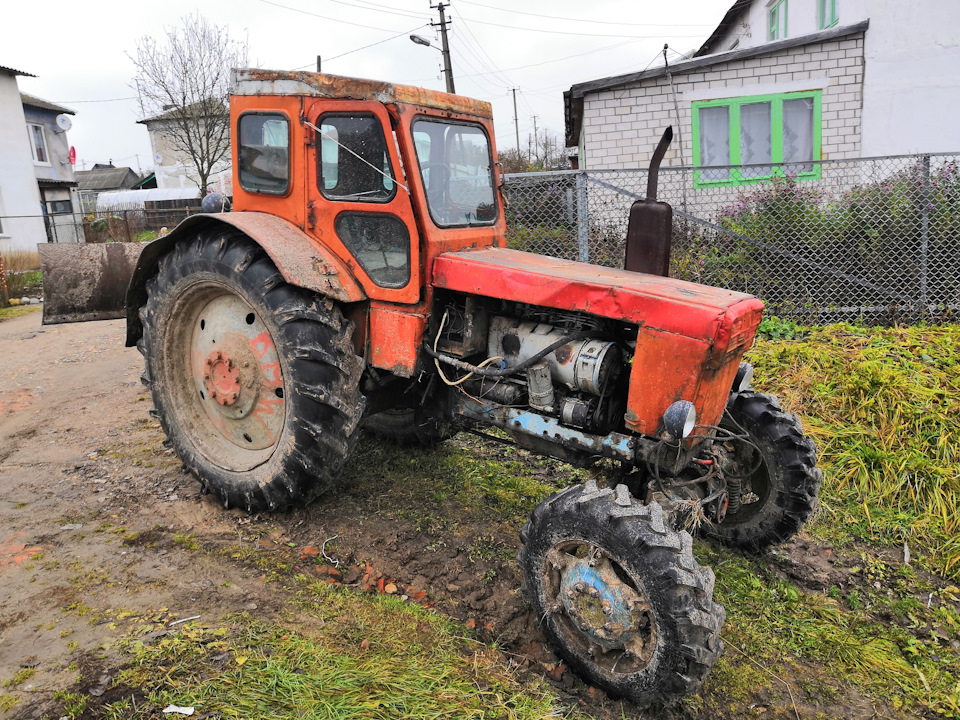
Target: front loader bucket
column 84, row 282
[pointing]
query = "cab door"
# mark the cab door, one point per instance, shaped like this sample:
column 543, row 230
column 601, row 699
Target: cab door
column 358, row 204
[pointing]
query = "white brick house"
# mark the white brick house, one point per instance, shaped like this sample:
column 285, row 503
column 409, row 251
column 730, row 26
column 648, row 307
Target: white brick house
column 781, row 83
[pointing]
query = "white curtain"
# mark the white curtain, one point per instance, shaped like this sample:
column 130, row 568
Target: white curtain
column 798, row 135
column 714, row 141
column 755, row 139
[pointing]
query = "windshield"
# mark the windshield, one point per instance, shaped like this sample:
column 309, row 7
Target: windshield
column 457, row 171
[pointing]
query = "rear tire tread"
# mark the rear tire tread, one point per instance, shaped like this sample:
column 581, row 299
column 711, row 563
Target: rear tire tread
column 324, row 416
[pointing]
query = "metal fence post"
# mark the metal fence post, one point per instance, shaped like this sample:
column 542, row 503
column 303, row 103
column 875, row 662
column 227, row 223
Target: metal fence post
column 583, row 218
column 924, row 232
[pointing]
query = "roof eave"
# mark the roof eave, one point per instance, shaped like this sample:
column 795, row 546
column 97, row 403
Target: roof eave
column 573, row 98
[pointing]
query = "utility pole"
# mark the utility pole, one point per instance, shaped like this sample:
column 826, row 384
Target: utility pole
column 516, row 122
column 318, row 64
column 536, row 138
column 447, row 69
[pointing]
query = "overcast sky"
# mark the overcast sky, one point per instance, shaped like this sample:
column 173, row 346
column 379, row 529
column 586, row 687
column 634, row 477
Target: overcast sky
column 79, row 51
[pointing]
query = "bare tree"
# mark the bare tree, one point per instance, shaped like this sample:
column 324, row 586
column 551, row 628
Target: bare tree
column 183, row 83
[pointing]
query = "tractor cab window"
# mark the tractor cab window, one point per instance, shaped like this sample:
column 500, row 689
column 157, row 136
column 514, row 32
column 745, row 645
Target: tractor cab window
column 264, row 153
column 457, row 170
column 353, row 159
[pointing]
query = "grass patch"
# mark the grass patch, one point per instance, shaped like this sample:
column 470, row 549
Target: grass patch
column 21, row 676
column 365, row 658
column 887, row 643
column 14, row 311
column 882, row 405
column 464, row 478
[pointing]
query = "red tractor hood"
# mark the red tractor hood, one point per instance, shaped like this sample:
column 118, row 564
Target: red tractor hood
column 659, row 303
column 690, row 340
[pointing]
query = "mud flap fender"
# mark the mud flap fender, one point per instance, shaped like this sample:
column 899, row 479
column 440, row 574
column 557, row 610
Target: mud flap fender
column 301, row 259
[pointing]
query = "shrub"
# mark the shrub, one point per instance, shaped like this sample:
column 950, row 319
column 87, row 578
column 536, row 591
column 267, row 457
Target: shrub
column 22, row 269
column 860, row 248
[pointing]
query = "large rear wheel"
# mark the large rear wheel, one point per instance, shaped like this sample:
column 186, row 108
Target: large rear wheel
column 255, row 381
column 618, row 593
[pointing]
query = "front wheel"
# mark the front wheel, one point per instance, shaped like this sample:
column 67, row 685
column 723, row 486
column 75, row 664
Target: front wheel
column 408, row 427
column 618, row 593
column 255, row 381
column 771, row 473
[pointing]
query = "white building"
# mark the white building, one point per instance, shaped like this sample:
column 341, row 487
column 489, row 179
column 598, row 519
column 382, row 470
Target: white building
column 785, row 81
column 174, row 167
column 21, row 222
column 47, row 126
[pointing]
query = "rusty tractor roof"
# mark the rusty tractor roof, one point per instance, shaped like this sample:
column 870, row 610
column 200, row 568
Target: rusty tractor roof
column 253, row 81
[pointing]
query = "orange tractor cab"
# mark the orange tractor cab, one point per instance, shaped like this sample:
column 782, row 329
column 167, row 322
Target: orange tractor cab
column 363, row 279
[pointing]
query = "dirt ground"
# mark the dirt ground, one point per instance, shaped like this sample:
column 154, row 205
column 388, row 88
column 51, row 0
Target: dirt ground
column 94, row 512
column 96, row 518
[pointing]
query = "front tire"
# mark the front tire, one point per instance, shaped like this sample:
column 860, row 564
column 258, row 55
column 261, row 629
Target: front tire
column 618, row 593
column 407, row 428
column 255, row 381
column 776, row 468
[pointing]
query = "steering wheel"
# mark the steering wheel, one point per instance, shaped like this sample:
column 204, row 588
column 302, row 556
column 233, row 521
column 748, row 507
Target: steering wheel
column 438, row 187
column 445, row 174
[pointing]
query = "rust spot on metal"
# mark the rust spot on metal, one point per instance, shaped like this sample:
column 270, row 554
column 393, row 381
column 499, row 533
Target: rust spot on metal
column 254, row 81
column 221, row 378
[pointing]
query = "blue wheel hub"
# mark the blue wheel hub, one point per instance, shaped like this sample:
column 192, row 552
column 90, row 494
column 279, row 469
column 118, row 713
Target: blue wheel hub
column 606, row 609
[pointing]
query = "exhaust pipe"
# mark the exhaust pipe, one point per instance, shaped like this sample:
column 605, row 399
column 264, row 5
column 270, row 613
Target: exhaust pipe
column 650, row 228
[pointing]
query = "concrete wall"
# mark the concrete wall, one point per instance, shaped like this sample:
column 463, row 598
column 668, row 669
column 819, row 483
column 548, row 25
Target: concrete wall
column 18, row 185
column 621, row 127
column 911, row 92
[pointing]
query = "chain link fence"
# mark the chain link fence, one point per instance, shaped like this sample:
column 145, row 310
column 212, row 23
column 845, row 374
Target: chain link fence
column 133, row 224
column 872, row 240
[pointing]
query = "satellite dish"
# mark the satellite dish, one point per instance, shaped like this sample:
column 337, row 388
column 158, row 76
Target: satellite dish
column 158, row 158
column 64, row 122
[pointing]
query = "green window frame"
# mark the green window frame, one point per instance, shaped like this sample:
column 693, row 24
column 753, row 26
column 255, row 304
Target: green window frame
column 802, row 169
column 777, row 20
column 827, row 13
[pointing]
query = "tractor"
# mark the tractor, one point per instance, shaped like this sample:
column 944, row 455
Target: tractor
column 363, row 280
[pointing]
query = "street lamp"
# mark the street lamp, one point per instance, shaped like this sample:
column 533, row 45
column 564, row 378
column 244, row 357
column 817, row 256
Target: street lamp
column 445, row 51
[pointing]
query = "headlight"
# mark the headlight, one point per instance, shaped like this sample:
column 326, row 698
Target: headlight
column 744, row 377
column 680, row 419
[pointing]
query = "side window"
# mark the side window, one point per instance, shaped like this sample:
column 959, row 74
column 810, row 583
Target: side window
column 38, row 144
column 380, row 243
column 264, row 153
column 353, row 159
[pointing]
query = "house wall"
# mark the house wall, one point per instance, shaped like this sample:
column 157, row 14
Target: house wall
column 911, row 96
column 621, row 127
column 173, row 167
column 58, row 147
column 19, row 194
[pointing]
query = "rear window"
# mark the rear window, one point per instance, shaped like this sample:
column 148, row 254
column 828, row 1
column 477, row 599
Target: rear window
column 264, row 153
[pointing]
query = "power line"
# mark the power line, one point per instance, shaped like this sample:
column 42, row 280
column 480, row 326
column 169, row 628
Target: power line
column 364, row 47
column 75, row 102
column 479, row 45
column 585, row 20
column 381, row 8
column 476, row 75
column 568, row 57
column 324, row 17
column 479, row 67
column 578, row 34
